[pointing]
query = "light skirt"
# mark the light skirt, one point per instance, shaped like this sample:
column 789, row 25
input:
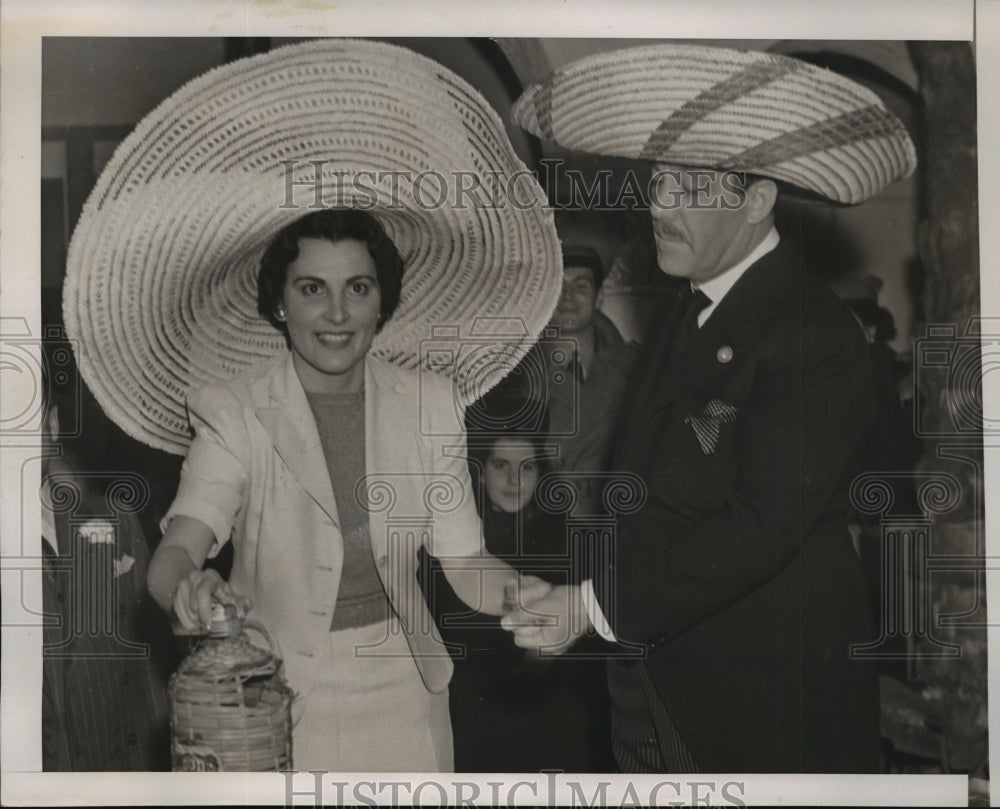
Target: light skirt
column 369, row 710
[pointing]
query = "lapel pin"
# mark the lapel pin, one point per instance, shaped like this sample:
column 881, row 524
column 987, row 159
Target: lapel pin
column 724, row 354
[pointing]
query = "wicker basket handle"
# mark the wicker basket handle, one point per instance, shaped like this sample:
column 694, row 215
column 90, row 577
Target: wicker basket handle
column 272, row 642
column 227, row 622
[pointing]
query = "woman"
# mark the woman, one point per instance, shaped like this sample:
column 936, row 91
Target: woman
column 279, row 464
column 510, row 711
column 318, row 450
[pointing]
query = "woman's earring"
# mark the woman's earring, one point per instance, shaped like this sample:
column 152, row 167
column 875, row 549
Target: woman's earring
column 280, row 314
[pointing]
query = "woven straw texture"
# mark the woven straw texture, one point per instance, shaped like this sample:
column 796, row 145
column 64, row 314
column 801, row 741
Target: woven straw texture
column 160, row 294
column 230, row 709
column 749, row 111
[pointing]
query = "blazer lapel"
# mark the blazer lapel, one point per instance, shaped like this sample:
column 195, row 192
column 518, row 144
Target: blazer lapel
column 383, row 453
column 290, row 423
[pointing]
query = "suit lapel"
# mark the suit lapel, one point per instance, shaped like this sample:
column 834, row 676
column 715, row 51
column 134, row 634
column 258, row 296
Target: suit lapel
column 650, row 370
column 289, row 422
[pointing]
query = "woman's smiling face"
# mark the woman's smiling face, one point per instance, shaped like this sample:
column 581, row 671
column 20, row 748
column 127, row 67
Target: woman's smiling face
column 331, row 305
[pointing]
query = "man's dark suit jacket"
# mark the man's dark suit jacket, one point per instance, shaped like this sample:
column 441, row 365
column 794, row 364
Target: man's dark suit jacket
column 738, row 573
column 104, row 698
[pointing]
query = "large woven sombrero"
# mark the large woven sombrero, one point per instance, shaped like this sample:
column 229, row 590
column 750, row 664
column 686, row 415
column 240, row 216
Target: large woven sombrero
column 747, row 111
column 160, row 293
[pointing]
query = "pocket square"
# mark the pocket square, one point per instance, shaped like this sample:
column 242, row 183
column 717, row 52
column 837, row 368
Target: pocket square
column 123, row 565
column 708, row 423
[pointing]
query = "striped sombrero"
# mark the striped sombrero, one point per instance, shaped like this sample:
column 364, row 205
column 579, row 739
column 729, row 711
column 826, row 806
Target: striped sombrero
column 750, row 111
column 160, row 293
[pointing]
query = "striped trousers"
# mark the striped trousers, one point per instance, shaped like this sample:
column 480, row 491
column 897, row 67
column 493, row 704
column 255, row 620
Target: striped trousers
column 643, row 738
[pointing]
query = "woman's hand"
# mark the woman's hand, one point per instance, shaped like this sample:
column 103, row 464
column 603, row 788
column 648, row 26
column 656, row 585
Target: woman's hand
column 196, row 595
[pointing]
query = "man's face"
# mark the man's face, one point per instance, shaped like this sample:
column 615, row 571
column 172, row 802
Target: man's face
column 699, row 221
column 578, row 301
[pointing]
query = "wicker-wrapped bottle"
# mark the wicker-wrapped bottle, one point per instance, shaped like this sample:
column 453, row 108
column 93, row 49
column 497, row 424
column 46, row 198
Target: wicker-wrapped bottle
column 230, row 706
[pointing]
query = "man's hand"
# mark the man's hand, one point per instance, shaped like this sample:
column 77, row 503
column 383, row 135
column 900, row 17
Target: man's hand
column 550, row 624
column 523, row 590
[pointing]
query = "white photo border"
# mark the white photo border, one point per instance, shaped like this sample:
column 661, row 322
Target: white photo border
column 23, row 23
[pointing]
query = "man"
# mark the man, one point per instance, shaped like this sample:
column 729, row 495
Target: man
column 582, row 372
column 106, row 653
column 753, row 393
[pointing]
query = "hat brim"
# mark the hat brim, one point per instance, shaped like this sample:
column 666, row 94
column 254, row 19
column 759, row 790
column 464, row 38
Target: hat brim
column 160, row 294
column 749, row 111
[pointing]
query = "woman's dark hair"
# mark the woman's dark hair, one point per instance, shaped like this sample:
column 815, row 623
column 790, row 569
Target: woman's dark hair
column 332, row 225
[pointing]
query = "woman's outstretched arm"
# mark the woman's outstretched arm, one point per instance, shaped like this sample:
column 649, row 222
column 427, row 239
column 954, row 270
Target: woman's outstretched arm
column 177, row 581
column 490, row 585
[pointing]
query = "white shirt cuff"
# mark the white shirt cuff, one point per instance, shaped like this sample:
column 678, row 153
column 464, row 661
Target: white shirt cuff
column 594, row 611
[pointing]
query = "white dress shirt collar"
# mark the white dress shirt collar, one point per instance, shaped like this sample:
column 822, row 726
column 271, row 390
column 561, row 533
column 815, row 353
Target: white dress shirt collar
column 717, row 288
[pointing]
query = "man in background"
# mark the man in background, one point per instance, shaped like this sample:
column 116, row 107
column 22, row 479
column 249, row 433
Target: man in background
column 579, row 369
column 106, row 652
